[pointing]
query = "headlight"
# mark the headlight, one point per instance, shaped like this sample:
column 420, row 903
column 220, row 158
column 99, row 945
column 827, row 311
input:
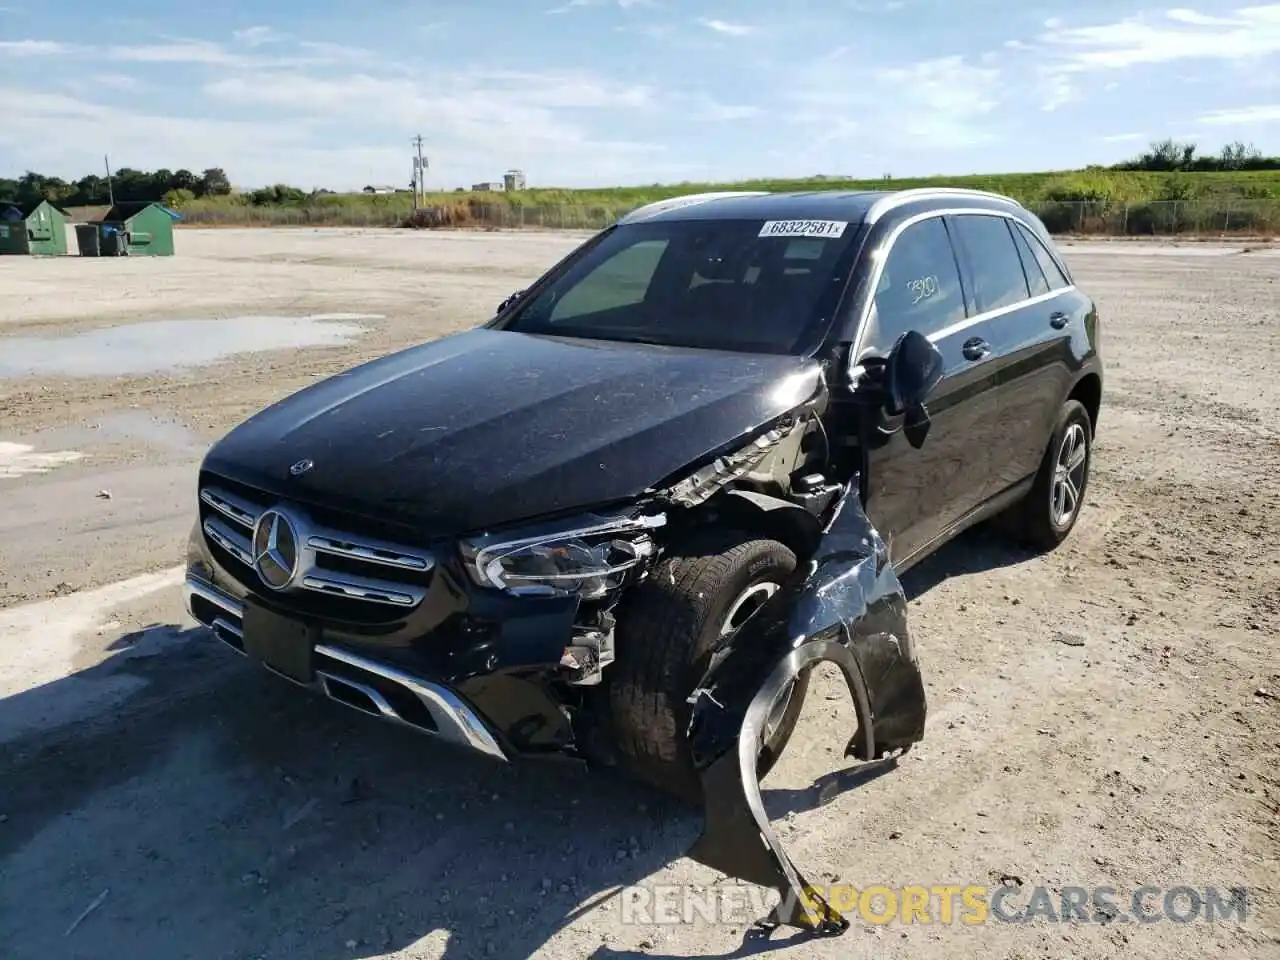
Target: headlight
column 588, row 558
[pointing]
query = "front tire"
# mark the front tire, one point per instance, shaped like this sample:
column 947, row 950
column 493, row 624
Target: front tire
column 1053, row 506
column 702, row 588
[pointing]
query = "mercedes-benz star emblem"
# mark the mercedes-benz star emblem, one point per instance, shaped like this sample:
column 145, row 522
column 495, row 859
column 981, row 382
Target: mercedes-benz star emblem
column 275, row 549
column 301, row 467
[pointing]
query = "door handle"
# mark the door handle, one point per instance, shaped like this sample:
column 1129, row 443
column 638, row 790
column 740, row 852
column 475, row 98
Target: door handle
column 975, row 348
column 1058, row 320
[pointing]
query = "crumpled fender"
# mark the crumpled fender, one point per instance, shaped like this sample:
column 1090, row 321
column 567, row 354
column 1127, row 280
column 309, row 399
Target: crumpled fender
column 847, row 607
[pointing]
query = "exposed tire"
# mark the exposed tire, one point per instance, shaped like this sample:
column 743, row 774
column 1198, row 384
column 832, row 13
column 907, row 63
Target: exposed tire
column 1053, row 505
column 665, row 636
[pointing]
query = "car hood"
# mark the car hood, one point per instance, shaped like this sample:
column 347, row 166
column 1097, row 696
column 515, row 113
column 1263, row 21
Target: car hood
column 488, row 427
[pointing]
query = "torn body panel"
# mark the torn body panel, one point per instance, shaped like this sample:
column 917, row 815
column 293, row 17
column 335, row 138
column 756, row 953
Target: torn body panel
column 847, row 608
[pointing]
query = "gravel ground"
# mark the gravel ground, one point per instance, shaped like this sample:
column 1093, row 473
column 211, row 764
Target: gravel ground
column 1106, row 716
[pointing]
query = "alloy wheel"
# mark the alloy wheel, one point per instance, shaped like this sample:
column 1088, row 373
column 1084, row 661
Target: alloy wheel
column 740, row 611
column 1069, row 475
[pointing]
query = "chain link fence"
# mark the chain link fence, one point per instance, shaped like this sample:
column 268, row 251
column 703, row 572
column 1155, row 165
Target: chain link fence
column 1073, row 217
column 1160, row 217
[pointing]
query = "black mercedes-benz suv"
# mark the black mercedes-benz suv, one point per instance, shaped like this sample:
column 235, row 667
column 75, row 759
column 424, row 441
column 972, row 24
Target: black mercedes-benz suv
column 723, row 423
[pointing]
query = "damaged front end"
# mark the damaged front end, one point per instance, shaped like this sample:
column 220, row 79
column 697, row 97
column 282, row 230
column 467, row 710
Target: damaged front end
column 848, row 608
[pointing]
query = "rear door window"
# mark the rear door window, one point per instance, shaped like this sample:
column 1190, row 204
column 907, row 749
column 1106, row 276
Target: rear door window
column 996, row 268
column 1052, row 272
column 919, row 288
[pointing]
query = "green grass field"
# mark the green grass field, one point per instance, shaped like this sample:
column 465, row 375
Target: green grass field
column 1087, row 201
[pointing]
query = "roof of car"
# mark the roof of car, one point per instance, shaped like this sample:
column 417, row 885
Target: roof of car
column 852, row 206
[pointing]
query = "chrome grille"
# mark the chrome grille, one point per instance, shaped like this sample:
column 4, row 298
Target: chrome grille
column 353, row 567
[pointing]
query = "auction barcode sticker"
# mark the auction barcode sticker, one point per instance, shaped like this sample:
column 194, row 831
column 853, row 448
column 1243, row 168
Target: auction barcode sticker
column 803, row 228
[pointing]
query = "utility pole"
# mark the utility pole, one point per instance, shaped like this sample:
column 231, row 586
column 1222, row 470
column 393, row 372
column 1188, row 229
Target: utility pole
column 419, row 169
column 111, row 193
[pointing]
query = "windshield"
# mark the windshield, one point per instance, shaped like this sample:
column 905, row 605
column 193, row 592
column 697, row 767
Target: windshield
column 746, row 285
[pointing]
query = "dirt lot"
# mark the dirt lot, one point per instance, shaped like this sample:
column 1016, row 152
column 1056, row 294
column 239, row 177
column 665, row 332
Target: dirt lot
column 1106, row 716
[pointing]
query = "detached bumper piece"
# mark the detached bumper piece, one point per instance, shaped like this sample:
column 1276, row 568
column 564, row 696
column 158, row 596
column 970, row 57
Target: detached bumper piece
column 366, row 685
column 847, row 609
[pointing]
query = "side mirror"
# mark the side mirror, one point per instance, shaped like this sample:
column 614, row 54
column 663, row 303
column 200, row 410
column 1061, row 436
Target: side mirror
column 509, row 301
column 913, row 369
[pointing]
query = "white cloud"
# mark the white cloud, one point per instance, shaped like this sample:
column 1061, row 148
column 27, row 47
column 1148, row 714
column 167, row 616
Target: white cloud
column 1198, row 19
column 1056, row 90
column 488, row 99
column 1123, row 137
column 708, row 109
column 476, row 120
column 33, row 48
column 332, row 52
column 1181, row 34
column 210, row 54
column 184, row 51
column 37, row 122
column 290, row 118
column 725, row 27
column 939, row 103
column 1243, row 116
column 572, row 5
column 115, row 81
column 256, row 36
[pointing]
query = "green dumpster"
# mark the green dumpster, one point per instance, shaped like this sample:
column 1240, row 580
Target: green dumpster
column 39, row 229
column 87, row 239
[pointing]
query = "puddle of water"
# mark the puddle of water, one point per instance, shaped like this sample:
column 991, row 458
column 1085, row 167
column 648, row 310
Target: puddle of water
column 163, row 346
column 19, row 460
column 124, row 426
column 1145, row 248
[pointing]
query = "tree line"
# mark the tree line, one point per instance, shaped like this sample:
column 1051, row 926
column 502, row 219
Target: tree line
column 178, row 187
column 1172, row 156
column 126, row 184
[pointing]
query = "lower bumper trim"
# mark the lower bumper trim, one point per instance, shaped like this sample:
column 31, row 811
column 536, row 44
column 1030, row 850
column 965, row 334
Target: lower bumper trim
column 354, row 680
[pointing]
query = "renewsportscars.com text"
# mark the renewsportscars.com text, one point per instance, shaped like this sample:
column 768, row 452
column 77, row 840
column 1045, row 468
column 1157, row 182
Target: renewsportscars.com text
column 945, row 904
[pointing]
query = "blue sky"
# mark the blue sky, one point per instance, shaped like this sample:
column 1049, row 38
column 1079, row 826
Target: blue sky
column 588, row 92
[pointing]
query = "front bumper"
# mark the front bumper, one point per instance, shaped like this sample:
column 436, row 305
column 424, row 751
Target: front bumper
column 369, row 686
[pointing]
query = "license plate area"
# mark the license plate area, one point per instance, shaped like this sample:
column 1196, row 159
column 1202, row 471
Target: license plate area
column 282, row 643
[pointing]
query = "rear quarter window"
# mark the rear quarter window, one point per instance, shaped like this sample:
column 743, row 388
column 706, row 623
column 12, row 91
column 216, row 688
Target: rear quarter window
column 1035, row 276
column 1052, row 272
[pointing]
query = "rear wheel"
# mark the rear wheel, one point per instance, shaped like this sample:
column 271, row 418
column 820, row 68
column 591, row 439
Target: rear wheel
column 1053, row 506
column 702, row 590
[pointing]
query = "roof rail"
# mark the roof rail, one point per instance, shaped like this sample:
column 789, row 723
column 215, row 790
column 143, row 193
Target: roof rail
column 687, row 200
column 899, row 197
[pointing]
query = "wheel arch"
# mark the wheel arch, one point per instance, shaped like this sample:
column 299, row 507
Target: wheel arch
column 772, row 517
column 1088, row 390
